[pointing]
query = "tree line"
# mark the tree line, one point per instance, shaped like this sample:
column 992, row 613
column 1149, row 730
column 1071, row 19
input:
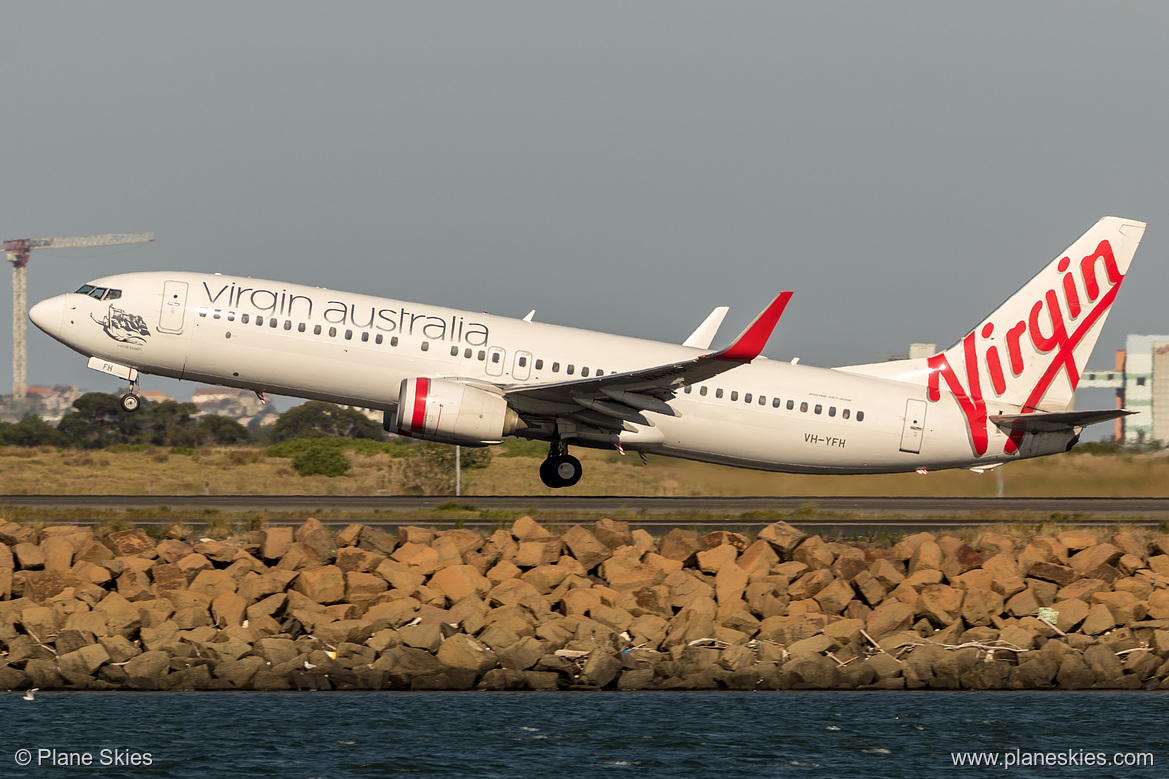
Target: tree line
column 98, row 421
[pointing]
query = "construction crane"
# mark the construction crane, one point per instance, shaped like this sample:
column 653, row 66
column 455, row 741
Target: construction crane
column 18, row 251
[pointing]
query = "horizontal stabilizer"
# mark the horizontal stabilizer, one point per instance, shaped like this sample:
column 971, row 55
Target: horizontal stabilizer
column 1047, row 422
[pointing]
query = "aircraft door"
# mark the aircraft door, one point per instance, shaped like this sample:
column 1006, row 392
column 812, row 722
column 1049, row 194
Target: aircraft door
column 495, row 360
column 914, row 426
column 523, row 366
column 174, row 305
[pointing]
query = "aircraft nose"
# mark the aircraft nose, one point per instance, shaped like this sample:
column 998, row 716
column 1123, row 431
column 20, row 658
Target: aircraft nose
column 47, row 315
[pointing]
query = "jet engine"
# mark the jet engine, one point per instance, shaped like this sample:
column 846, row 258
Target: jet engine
column 453, row 413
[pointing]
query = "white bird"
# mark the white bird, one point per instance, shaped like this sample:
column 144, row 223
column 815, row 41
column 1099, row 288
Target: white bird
column 28, row 696
column 308, row 666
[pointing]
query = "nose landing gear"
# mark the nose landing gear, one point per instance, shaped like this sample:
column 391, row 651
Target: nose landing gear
column 131, row 402
column 560, row 469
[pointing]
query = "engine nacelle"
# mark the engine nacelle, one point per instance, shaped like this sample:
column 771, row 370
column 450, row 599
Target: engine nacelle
column 453, row 413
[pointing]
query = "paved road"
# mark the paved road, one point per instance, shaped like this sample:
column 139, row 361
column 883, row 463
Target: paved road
column 600, row 504
column 866, row 513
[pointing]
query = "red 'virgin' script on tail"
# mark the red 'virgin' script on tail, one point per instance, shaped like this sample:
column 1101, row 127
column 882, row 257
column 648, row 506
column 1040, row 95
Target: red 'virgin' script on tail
column 1047, row 326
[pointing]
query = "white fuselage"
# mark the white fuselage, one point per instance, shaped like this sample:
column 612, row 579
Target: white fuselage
column 356, row 350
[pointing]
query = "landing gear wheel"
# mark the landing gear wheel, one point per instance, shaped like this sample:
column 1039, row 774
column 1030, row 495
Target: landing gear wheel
column 569, row 470
column 130, row 402
column 561, row 471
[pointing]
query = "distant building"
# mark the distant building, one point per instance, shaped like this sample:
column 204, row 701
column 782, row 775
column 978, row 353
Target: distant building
column 227, row 402
column 154, row 396
column 49, row 403
column 244, row 406
column 1141, row 380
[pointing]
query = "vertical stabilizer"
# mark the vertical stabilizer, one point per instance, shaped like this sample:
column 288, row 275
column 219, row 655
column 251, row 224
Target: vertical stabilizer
column 1029, row 353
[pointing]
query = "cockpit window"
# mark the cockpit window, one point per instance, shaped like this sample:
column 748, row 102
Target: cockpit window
column 99, row 293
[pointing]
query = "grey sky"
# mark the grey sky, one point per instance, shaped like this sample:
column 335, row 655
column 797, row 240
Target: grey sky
column 903, row 167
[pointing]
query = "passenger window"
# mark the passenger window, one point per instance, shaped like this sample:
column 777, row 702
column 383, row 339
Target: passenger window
column 804, row 407
column 687, row 389
column 467, row 353
column 454, row 351
column 818, row 408
column 844, row 413
column 377, row 339
column 426, row 346
column 832, row 411
column 348, row 335
column 702, row 390
column 539, row 364
column 718, row 393
column 215, row 314
column 481, row 356
column 600, row 372
column 734, row 394
column 775, row 402
column 259, row 321
column 762, row 401
column 584, row 372
column 556, row 367
column 332, row 332
column 393, row 340
column 230, row 316
column 570, row 369
column 747, row 397
column 860, row 416
column 272, row 322
column 316, row 329
column 287, row 324
column 523, row 362
column 300, row 328
column 365, row 338
column 791, row 404
column 243, row 318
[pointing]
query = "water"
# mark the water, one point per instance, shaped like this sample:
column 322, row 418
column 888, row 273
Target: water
column 722, row 734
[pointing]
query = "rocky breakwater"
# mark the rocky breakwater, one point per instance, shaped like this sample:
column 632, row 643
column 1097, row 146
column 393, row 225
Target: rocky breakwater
column 601, row 607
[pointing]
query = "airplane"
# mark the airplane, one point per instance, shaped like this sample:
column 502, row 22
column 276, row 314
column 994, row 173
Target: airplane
column 1003, row 392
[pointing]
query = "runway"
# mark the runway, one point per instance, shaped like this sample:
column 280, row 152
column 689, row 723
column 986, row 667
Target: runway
column 855, row 513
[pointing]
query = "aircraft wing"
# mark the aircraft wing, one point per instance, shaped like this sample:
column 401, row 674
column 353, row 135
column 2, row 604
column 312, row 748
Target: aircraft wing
column 609, row 402
column 1051, row 421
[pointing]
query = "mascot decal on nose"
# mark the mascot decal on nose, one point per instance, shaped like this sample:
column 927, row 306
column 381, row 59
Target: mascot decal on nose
column 123, row 326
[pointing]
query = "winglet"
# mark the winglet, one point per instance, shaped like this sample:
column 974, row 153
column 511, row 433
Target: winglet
column 752, row 340
column 704, row 334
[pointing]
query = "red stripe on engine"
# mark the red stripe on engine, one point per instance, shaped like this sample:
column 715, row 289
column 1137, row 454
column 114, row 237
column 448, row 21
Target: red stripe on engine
column 418, row 418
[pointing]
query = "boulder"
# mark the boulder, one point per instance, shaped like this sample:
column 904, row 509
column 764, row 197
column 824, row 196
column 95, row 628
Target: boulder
column 131, row 543
column 586, row 547
column 459, row 581
column 321, row 585
column 784, row 538
column 681, row 545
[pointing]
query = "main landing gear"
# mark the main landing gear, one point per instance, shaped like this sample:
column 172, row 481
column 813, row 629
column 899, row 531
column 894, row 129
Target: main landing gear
column 560, row 469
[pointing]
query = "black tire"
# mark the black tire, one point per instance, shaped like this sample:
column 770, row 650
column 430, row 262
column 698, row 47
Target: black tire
column 130, row 402
column 548, row 473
